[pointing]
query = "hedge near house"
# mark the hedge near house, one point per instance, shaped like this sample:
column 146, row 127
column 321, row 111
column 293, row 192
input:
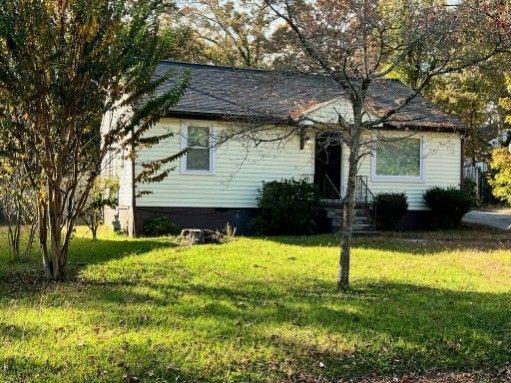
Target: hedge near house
column 286, row 207
column 389, row 208
column 448, row 205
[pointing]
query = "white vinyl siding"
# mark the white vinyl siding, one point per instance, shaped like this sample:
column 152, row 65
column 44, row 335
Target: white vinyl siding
column 441, row 159
column 239, row 169
column 116, row 164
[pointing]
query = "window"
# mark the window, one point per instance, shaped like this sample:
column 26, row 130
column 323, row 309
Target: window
column 399, row 159
column 198, row 158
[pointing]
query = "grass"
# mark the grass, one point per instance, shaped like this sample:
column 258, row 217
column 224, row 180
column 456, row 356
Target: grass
column 259, row 310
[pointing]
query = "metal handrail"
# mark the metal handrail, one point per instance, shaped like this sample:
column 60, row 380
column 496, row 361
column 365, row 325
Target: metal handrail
column 362, row 191
column 328, row 180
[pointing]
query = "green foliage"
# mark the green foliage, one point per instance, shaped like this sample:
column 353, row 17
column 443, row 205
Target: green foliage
column 104, row 193
column 389, row 208
column 18, row 209
column 501, row 174
column 475, row 96
column 470, row 189
column 231, row 32
column 63, row 66
column 286, row 207
column 159, row 226
column 448, row 205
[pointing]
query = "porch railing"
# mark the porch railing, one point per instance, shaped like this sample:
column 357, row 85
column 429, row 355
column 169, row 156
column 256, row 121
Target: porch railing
column 362, row 192
column 329, row 190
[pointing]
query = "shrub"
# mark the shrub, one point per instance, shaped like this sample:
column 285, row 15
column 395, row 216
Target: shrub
column 448, row 205
column 286, row 207
column 160, row 225
column 389, row 208
column 470, row 189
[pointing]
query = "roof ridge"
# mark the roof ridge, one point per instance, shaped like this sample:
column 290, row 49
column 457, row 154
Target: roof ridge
column 237, row 68
column 261, row 70
column 242, row 69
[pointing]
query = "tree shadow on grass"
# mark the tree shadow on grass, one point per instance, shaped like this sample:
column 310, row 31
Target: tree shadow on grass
column 389, row 327
column 133, row 363
column 378, row 328
column 417, row 243
column 84, row 250
column 28, row 278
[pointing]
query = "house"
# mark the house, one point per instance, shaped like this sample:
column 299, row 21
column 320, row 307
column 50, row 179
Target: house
column 218, row 183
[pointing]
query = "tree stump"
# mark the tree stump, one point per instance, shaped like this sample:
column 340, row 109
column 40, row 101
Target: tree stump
column 192, row 236
column 198, row 236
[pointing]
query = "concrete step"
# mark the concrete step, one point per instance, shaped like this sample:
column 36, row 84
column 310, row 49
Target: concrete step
column 361, row 221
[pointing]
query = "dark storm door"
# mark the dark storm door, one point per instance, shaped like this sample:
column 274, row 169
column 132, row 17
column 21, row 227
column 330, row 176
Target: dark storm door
column 327, row 175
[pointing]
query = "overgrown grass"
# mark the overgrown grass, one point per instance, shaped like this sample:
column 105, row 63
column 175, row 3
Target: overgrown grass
column 259, row 310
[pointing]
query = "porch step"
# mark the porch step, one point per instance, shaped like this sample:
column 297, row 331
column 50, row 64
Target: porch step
column 362, row 223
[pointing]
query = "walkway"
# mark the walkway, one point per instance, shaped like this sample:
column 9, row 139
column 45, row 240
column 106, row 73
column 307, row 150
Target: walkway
column 500, row 219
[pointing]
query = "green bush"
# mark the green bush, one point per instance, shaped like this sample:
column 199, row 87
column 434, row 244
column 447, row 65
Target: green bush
column 389, row 208
column 470, row 188
column 448, row 205
column 286, row 207
column 160, row 225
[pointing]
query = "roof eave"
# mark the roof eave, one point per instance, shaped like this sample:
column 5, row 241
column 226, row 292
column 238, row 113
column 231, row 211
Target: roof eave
column 255, row 119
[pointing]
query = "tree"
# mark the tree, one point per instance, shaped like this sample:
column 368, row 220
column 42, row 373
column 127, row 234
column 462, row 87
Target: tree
column 231, row 32
column 103, row 194
column 17, row 206
column 358, row 42
column 501, row 179
column 63, row 65
column 474, row 96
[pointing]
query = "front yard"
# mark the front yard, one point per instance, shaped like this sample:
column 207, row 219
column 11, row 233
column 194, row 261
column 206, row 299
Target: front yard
column 260, row 310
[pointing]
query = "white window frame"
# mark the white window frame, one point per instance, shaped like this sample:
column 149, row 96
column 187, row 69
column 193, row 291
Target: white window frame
column 405, row 179
column 184, row 145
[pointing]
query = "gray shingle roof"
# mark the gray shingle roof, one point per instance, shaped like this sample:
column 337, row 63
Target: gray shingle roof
column 235, row 93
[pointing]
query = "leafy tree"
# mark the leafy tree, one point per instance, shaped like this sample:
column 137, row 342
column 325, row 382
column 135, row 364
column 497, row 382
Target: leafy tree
column 231, row 32
column 474, row 96
column 501, row 179
column 63, row 65
column 103, row 194
column 358, row 42
column 18, row 208
column 471, row 95
column 505, row 100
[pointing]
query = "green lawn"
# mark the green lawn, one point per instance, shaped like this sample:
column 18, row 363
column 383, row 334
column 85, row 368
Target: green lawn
column 259, row 310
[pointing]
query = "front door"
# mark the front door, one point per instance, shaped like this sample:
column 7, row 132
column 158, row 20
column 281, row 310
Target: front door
column 327, row 175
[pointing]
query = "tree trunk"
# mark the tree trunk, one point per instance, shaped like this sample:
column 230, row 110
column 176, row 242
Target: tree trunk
column 343, row 281
column 53, row 243
column 347, row 224
column 30, row 241
column 94, row 227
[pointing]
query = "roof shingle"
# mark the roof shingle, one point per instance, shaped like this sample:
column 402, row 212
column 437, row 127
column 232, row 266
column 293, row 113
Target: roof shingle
column 235, row 93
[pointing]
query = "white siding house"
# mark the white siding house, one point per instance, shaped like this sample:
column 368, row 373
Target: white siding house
column 237, row 168
column 214, row 183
